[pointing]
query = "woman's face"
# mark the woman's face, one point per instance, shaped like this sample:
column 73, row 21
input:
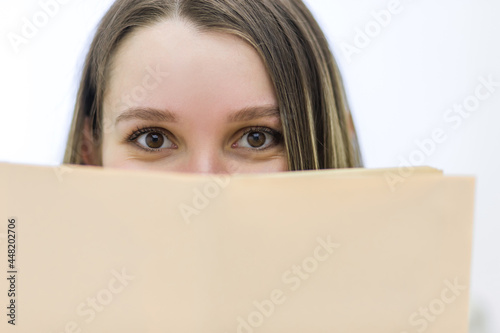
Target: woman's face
column 186, row 101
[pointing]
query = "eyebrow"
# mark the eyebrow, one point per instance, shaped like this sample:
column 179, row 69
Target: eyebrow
column 155, row 115
column 147, row 114
column 256, row 112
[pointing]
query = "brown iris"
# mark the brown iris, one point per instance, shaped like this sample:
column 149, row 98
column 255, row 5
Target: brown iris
column 154, row 140
column 256, row 139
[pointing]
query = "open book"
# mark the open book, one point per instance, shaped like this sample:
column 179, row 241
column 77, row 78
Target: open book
column 87, row 249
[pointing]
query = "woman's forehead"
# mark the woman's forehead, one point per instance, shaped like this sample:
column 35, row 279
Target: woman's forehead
column 173, row 64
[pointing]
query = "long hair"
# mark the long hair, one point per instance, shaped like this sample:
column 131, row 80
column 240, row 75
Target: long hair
column 318, row 131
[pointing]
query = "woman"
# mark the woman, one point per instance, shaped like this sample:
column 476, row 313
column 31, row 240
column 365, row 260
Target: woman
column 211, row 86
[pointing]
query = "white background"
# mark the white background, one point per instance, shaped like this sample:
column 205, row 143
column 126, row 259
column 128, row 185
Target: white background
column 429, row 57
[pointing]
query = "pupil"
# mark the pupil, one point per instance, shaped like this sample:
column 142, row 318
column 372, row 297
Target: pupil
column 256, row 139
column 154, row 140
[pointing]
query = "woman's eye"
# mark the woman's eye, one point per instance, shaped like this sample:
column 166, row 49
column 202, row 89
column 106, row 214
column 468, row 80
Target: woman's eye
column 153, row 140
column 258, row 139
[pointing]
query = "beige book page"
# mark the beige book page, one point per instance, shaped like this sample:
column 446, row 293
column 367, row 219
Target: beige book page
column 112, row 250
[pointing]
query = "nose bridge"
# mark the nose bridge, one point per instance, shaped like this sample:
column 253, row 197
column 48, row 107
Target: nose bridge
column 206, row 160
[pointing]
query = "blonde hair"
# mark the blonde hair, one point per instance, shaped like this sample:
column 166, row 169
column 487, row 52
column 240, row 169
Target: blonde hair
column 318, row 130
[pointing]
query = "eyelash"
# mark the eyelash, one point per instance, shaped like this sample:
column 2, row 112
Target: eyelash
column 278, row 136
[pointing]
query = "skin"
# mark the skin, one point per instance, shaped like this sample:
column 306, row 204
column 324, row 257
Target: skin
column 202, row 79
